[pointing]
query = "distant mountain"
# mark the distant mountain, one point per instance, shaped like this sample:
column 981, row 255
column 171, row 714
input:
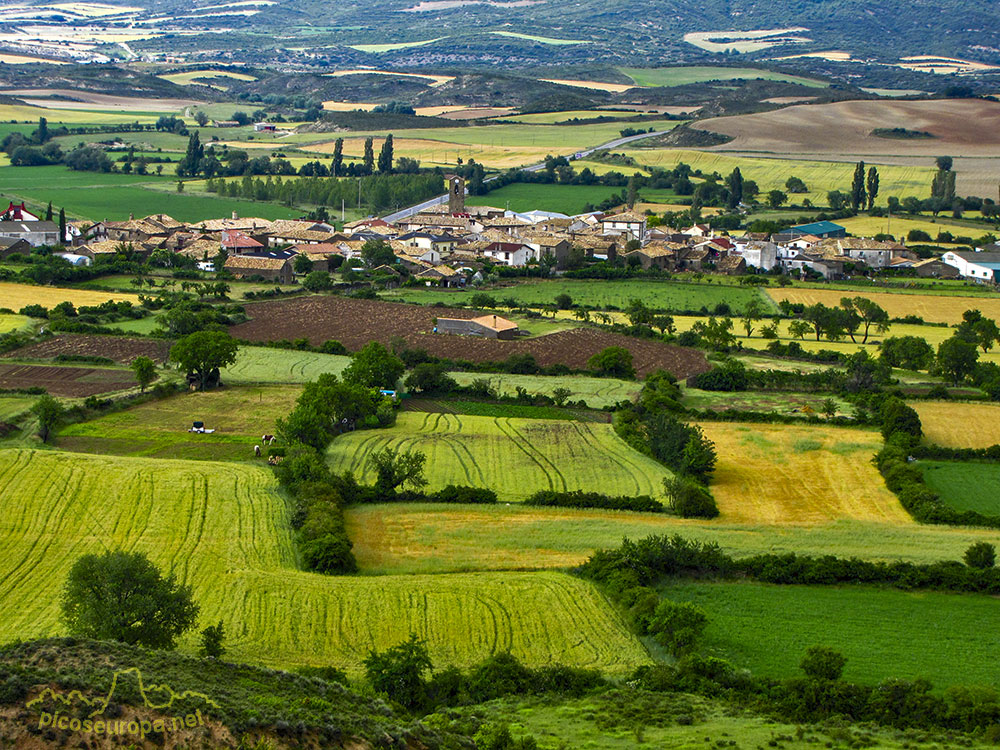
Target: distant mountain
column 925, row 45
column 587, row 31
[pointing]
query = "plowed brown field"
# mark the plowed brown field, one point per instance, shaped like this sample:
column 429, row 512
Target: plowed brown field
column 66, row 381
column 355, row 322
column 120, row 349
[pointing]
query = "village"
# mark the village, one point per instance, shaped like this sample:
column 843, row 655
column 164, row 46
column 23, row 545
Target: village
column 446, row 245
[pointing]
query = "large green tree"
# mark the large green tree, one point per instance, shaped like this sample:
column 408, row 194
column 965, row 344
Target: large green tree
column 614, row 361
column 752, row 312
column 368, row 162
column 734, row 183
column 377, row 252
column 678, row 625
column 337, row 167
column 870, row 314
column 203, row 352
column 121, row 596
column 956, row 359
column 325, row 408
column 400, row 672
column 394, row 468
column 48, row 412
column 188, row 166
column 374, row 366
column 145, row 371
column 385, row 156
column 872, row 187
column 858, row 186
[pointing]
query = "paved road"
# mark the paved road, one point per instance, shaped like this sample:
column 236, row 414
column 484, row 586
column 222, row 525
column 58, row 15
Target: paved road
column 408, row 212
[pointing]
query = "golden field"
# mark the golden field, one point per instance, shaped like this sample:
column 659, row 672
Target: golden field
column 786, row 474
column 959, row 425
column 933, row 308
column 16, row 296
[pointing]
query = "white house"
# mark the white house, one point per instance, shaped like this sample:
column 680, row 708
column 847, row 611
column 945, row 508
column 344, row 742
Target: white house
column 762, row 255
column 629, row 223
column 513, row 254
column 979, row 266
column 34, row 232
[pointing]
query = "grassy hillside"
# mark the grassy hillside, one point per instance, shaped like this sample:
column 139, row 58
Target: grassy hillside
column 97, row 196
column 234, row 700
column 882, row 633
column 489, row 452
column 603, row 294
column 223, row 528
column 258, row 364
column 597, row 392
column 683, row 75
column 965, row 486
column 239, row 416
column 420, row 538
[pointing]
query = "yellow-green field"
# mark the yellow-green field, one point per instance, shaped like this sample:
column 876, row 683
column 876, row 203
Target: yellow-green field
column 440, row 152
column 771, row 174
column 515, row 457
column 239, row 415
column 597, row 392
column 24, row 113
column 547, row 118
column 189, row 77
column 16, row 296
column 541, row 39
column 931, row 307
column 786, row 474
column 933, row 335
column 959, row 425
column 10, row 322
column 223, row 529
column 685, row 74
column 426, row 538
column 12, row 406
column 260, row 364
column 376, row 48
column 869, row 226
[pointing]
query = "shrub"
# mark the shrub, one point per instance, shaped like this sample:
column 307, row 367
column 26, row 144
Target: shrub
column 678, row 625
column 981, row 555
column 580, row 499
column 468, row 495
column 211, row 641
column 822, row 663
column 900, row 419
column 399, row 671
column 689, row 499
column 429, row 377
column 333, row 347
column 614, row 361
column 730, row 376
column 500, row 674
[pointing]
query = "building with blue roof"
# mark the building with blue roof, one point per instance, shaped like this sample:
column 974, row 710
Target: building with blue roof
column 821, row 229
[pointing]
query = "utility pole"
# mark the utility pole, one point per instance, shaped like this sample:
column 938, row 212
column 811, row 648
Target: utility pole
column 343, row 211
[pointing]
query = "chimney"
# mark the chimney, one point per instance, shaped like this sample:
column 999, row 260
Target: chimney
column 131, row 217
column 235, row 217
